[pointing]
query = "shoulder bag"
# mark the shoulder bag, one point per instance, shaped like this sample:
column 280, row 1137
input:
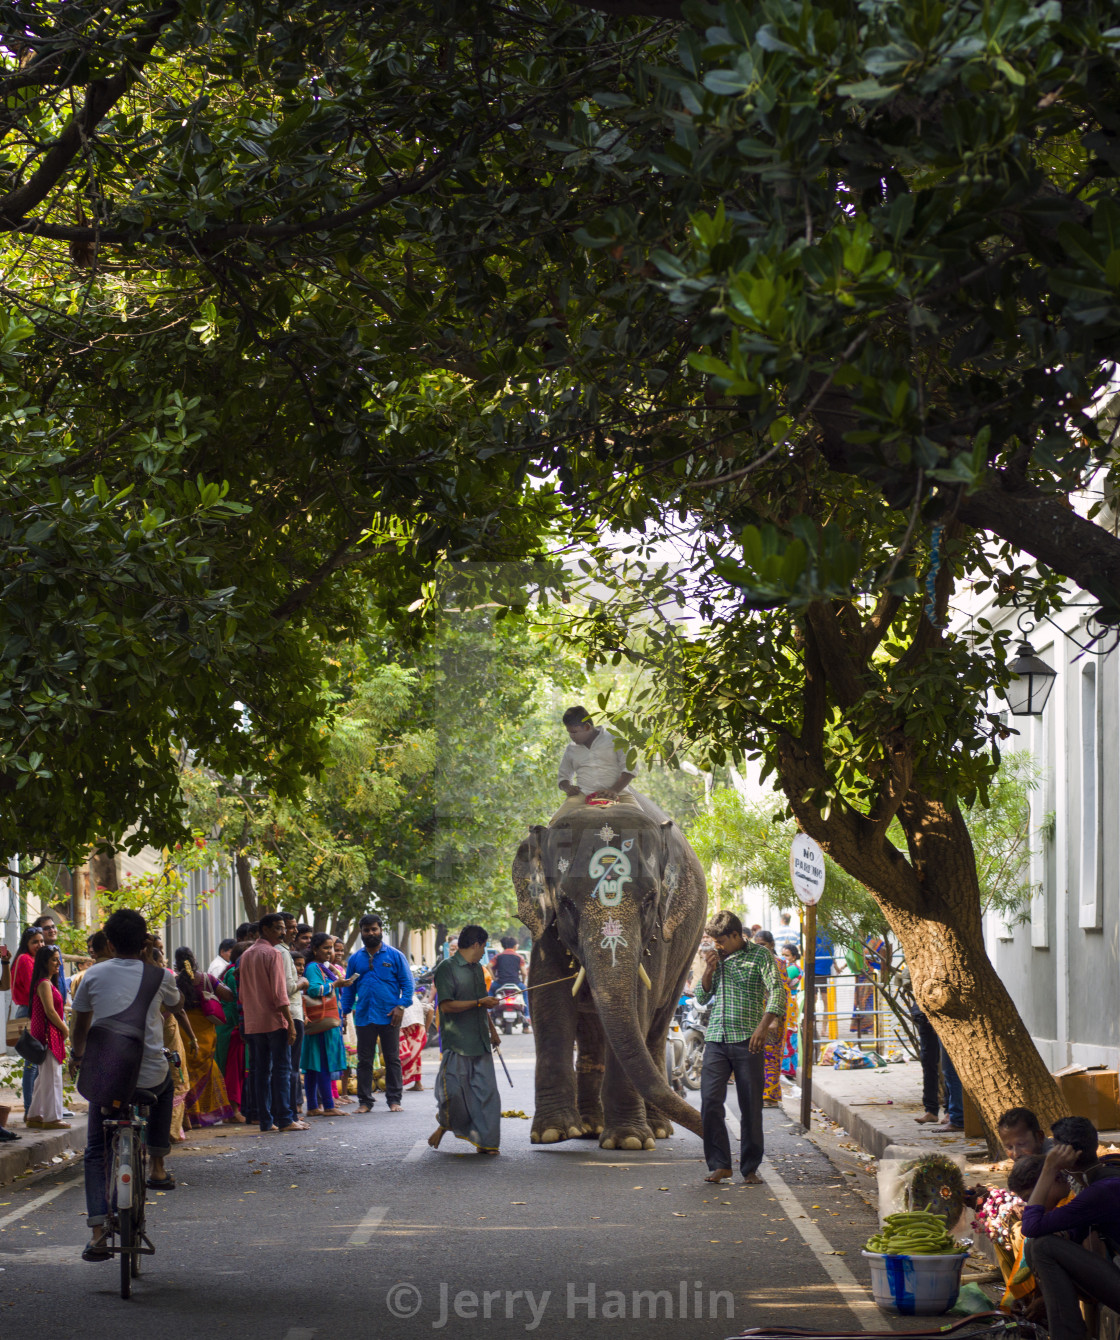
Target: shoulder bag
column 30, row 1048
column 115, row 1047
column 320, row 1013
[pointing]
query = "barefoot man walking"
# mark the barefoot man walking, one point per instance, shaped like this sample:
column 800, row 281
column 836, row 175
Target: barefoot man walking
column 749, row 1000
column 467, row 1098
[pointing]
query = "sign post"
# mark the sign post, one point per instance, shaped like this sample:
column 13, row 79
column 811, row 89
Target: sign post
column 806, row 870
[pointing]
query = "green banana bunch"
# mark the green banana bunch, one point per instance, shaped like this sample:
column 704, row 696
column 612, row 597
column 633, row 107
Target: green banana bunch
column 914, row 1233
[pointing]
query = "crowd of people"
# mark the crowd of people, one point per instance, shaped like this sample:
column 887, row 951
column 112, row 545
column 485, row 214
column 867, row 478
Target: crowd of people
column 284, row 1023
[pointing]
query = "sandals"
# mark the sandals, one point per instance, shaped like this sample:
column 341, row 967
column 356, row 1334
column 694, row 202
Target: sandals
column 97, row 1248
column 163, row 1184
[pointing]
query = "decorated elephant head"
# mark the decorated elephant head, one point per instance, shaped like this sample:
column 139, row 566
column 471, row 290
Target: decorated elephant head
column 605, row 884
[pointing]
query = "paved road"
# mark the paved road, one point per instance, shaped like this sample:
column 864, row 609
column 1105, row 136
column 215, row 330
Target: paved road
column 356, row 1227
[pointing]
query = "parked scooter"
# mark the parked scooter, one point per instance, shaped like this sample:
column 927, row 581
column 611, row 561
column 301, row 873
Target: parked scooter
column 675, row 1055
column 509, row 1013
column 694, row 1020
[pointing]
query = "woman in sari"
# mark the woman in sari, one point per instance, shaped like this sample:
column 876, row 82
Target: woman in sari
column 414, row 1033
column 229, row 1049
column 207, row 1103
column 775, row 1045
column 324, row 1054
column 340, row 1087
column 177, row 1037
column 790, row 1058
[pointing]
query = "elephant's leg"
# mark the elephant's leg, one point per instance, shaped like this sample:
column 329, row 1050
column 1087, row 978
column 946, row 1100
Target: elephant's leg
column 557, row 1115
column 624, row 1111
column 591, row 1047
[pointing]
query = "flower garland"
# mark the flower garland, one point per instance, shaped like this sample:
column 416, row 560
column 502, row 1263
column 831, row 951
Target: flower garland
column 996, row 1215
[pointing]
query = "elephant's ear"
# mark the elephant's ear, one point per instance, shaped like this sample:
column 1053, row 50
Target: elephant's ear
column 536, row 903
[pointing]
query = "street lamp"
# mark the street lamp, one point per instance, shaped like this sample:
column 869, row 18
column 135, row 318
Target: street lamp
column 1031, row 683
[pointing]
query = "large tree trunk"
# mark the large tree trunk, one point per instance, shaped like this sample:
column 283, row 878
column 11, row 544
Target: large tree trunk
column 245, row 883
column 932, row 903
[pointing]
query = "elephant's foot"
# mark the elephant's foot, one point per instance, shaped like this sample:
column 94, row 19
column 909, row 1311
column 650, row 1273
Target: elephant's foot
column 627, row 1135
column 591, row 1118
column 560, row 1124
column 661, row 1125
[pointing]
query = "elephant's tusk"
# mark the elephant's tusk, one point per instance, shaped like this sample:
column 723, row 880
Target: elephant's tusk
column 645, row 978
column 579, row 981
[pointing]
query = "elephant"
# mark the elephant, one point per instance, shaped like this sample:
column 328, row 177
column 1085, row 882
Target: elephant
column 613, row 896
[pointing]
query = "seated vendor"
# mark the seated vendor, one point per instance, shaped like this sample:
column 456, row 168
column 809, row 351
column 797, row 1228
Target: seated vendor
column 1065, row 1269
column 591, row 766
column 1080, row 1134
column 1021, row 1134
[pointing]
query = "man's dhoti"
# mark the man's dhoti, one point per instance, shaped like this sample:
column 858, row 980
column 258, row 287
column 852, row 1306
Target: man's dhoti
column 467, row 1101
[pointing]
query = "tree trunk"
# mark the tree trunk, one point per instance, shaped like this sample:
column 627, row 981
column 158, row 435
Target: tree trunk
column 932, row 903
column 322, row 920
column 103, row 870
column 245, row 883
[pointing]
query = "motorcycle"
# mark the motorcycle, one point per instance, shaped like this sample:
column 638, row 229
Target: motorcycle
column 509, row 1013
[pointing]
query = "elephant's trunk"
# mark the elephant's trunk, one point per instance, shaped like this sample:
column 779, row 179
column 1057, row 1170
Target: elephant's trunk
column 618, row 1014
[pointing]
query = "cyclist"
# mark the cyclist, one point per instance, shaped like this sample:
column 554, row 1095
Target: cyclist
column 107, row 989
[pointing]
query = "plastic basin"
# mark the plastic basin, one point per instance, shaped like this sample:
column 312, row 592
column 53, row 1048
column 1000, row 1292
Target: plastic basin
column 916, row 1286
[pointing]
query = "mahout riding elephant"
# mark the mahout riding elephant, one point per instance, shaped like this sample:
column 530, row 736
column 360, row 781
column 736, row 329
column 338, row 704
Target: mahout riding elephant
column 614, row 896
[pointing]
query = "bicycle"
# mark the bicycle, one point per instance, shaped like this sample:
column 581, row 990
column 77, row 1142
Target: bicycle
column 128, row 1184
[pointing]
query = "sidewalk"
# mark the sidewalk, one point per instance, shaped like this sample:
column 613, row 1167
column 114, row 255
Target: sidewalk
column 35, row 1150
column 877, row 1108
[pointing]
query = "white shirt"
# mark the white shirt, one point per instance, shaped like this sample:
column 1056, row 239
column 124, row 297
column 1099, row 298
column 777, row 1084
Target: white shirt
column 295, row 997
column 218, row 967
column 111, row 986
column 598, row 763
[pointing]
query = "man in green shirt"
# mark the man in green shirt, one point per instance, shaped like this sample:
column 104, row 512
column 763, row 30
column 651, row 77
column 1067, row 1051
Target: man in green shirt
column 467, row 1098
column 743, row 980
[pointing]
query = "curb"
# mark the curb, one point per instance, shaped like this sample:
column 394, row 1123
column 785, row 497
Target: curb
column 26, row 1155
column 859, row 1127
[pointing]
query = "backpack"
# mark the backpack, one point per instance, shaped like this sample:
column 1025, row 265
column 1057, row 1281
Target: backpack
column 115, row 1048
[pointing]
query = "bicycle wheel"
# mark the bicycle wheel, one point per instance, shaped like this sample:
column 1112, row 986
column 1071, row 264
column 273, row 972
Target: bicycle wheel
column 139, row 1204
column 126, row 1228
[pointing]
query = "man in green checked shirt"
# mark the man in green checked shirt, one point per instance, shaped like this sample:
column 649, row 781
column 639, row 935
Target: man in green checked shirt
column 750, row 1000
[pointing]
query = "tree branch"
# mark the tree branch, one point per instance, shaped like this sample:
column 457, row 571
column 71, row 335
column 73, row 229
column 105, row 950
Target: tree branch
column 101, row 94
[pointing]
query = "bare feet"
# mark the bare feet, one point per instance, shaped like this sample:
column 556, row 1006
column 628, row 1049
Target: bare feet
column 719, row 1175
column 395, row 1107
column 436, row 1136
column 752, row 1179
column 294, row 1126
column 315, row 1112
column 925, row 1118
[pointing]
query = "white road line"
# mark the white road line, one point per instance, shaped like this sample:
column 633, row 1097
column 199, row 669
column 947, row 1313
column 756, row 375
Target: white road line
column 849, row 1288
column 365, row 1230
column 41, row 1200
column 417, row 1151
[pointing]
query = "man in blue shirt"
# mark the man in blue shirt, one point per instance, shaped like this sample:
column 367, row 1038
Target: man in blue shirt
column 378, row 999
